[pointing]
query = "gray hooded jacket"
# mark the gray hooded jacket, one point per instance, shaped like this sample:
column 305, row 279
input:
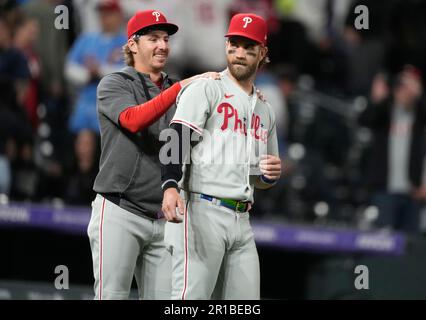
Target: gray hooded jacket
column 129, row 167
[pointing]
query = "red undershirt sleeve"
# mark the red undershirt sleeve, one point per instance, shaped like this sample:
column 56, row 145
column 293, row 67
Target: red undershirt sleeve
column 137, row 118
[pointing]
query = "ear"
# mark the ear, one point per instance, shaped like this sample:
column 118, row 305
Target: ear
column 133, row 46
column 263, row 52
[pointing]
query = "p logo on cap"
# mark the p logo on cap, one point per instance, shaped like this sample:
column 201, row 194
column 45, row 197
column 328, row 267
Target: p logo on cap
column 149, row 18
column 248, row 25
column 157, row 15
column 247, row 20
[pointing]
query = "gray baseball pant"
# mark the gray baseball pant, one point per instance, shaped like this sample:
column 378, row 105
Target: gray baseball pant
column 125, row 245
column 214, row 255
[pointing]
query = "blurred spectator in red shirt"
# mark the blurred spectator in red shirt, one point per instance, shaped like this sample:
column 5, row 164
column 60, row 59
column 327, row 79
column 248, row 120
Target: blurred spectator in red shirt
column 26, row 35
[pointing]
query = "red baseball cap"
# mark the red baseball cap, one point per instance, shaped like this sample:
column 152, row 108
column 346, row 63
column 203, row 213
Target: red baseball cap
column 248, row 25
column 149, row 18
column 109, row 5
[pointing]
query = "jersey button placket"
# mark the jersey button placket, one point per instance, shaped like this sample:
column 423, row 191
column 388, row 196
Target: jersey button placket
column 252, row 103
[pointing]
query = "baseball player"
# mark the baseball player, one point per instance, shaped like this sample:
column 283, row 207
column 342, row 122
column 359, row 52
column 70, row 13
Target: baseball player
column 127, row 226
column 213, row 250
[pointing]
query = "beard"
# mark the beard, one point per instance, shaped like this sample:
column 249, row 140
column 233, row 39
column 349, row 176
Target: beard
column 241, row 71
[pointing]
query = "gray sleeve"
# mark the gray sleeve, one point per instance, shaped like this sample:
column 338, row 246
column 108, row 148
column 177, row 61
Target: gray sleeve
column 272, row 145
column 114, row 95
column 194, row 103
column 271, row 149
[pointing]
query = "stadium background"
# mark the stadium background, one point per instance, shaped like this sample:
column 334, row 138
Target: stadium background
column 312, row 229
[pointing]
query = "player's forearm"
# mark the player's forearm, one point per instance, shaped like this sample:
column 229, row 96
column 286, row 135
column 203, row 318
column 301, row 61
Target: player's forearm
column 264, row 183
column 137, row 118
column 170, row 176
column 171, row 173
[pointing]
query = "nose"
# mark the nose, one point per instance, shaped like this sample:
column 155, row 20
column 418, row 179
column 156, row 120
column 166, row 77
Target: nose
column 162, row 44
column 240, row 53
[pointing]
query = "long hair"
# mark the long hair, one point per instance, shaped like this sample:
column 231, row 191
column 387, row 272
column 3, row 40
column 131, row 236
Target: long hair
column 264, row 61
column 129, row 59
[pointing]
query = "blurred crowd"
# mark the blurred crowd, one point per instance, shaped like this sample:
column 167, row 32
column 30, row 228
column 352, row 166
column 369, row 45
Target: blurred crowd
column 349, row 102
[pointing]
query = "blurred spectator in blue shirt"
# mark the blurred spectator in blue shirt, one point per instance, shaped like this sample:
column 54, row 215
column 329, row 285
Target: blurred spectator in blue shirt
column 92, row 56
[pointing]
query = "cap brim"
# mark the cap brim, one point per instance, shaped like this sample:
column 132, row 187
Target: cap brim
column 170, row 28
column 244, row 35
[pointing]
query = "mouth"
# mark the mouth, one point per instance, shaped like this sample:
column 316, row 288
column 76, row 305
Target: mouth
column 160, row 56
column 239, row 64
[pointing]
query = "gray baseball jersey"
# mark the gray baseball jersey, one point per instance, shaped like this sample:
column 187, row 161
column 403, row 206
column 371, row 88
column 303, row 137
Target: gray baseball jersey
column 213, row 251
column 236, row 130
